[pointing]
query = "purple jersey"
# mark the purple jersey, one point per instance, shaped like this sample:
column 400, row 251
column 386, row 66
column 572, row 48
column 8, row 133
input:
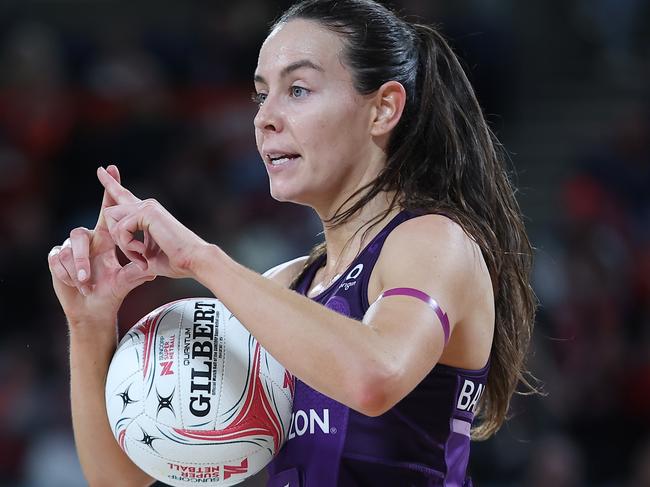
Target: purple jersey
column 424, row 440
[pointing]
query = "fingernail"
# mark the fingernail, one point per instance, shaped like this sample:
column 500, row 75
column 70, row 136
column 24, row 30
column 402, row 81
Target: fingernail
column 84, row 290
column 81, row 275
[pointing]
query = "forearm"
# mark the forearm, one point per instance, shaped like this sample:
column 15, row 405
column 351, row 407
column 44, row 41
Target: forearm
column 335, row 355
column 102, row 460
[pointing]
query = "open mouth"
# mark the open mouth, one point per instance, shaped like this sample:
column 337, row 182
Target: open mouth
column 280, row 159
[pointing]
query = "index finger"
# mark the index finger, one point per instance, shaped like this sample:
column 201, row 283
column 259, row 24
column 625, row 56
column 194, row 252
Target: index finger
column 107, row 200
column 115, row 190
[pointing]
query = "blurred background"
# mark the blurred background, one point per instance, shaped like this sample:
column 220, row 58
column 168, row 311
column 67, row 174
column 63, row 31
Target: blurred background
column 162, row 89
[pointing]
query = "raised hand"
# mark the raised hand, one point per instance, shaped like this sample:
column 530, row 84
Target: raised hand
column 88, row 279
column 167, row 247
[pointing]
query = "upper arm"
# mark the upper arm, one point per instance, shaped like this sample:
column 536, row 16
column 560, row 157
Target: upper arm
column 285, row 273
column 434, row 255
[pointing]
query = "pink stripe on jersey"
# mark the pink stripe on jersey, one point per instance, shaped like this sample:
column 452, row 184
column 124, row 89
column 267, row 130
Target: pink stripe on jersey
column 422, row 296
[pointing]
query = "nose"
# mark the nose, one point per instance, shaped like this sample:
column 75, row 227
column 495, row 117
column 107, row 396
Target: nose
column 268, row 117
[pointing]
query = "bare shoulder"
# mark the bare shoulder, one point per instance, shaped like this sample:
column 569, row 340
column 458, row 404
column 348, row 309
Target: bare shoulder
column 435, row 238
column 286, row 272
column 434, row 251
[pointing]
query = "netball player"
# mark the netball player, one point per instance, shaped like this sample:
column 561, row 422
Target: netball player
column 414, row 315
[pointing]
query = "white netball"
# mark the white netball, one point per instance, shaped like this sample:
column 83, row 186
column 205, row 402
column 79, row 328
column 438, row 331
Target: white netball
column 192, row 397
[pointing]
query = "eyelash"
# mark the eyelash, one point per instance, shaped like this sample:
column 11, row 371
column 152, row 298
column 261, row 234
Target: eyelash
column 258, row 98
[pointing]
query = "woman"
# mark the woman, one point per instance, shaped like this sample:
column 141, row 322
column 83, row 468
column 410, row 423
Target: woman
column 370, row 121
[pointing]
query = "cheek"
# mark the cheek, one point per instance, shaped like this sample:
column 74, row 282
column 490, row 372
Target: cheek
column 343, row 139
column 334, row 131
column 311, row 132
column 323, row 143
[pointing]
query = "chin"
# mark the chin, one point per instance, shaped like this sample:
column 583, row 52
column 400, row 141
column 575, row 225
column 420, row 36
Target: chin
column 280, row 193
column 287, row 194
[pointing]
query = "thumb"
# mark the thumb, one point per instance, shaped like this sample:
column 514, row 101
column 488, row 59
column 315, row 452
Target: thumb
column 131, row 276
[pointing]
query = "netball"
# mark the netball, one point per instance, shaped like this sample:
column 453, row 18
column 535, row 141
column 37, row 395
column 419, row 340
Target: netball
column 191, row 396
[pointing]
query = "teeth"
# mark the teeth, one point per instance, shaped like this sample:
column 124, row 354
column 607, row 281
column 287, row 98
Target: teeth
column 279, row 159
column 279, row 162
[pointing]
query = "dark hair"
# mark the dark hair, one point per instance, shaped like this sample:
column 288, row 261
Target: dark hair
column 441, row 158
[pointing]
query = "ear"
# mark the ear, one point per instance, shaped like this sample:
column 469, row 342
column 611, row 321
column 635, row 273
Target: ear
column 389, row 105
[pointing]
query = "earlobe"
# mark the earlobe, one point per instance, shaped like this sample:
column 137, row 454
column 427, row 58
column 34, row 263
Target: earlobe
column 390, row 101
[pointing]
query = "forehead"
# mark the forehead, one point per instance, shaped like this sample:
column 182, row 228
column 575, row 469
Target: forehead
column 299, row 40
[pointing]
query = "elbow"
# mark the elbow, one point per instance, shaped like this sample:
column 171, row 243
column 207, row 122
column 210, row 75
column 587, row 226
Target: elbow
column 374, row 393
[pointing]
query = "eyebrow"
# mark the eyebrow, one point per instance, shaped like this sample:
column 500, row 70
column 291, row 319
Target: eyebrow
column 303, row 63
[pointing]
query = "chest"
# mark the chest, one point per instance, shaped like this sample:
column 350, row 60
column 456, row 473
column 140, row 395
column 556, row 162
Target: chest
column 349, row 293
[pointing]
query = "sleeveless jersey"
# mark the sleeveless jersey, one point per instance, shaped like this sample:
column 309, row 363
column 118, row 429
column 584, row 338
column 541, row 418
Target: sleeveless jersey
column 424, row 440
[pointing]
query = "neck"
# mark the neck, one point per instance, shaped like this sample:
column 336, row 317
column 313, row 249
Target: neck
column 345, row 241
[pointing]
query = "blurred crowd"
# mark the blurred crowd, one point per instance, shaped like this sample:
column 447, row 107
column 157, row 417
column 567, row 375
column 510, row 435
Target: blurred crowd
column 163, row 91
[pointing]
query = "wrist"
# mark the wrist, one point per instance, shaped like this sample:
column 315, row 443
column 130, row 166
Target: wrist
column 93, row 328
column 92, row 350
column 204, row 261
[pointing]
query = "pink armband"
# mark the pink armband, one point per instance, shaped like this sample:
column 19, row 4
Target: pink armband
column 422, row 296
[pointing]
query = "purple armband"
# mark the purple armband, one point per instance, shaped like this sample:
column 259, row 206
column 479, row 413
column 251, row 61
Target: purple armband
column 422, row 296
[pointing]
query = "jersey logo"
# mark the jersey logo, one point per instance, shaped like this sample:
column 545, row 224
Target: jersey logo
column 350, row 279
column 303, row 422
column 354, row 273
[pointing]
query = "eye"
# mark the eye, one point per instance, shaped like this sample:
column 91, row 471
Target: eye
column 258, row 98
column 299, row 91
